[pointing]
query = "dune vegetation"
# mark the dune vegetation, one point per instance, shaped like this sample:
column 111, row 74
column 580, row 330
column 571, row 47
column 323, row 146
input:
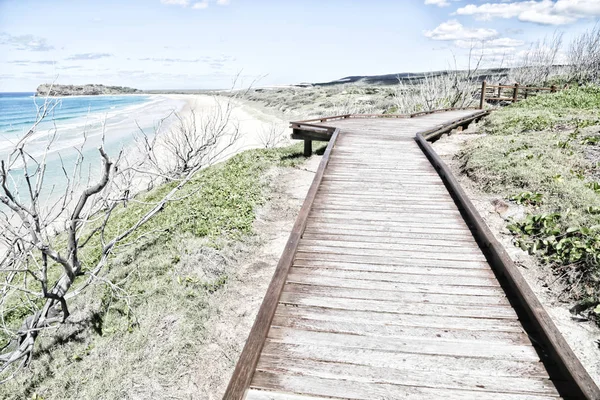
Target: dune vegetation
column 544, row 153
column 161, row 281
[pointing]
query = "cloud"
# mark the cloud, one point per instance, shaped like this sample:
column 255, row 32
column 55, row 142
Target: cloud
column 183, row 3
column 220, row 59
column 454, row 30
column 201, row 5
column 25, row 42
column 175, row 60
column 89, row 56
column 439, row 3
column 544, row 12
column 500, row 43
column 28, row 62
column 196, row 5
column 504, row 42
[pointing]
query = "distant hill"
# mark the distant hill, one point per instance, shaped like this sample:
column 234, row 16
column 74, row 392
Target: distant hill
column 82, row 90
column 392, row 79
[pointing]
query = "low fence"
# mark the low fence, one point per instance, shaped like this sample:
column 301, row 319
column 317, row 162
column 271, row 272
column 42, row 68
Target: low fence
column 511, row 93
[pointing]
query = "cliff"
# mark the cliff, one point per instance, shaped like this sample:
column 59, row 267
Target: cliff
column 79, row 90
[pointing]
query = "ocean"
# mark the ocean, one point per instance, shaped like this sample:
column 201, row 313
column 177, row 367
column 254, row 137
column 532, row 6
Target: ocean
column 73, row 121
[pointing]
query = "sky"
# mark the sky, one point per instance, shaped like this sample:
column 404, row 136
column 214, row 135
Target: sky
column 204, row 44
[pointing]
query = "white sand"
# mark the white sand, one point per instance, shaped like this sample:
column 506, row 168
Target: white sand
column 253, row 123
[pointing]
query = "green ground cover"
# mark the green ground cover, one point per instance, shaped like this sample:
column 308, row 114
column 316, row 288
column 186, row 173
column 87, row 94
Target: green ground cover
column 544, row 153
column 170, row 269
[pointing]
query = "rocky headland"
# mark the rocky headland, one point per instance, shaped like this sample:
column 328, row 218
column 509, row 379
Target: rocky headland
column 82, row 90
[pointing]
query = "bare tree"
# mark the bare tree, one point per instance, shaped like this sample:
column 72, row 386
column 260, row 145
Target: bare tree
column 40, row 269
column 584, row 56
column 191, row 141
column 453, row 88
column 536, row 65
column 272, row 135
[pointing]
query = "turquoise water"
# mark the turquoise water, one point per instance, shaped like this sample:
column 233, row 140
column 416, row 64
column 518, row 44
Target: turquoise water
column 83, row 122
column 18, row 110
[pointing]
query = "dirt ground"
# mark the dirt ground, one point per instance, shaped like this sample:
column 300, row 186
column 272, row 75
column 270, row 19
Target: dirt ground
column 234, row 309
column 583, row 336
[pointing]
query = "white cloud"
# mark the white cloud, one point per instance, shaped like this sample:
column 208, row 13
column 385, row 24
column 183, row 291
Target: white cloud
column 504, row 42
column 500, row 43
column 439, row 3
column 89, row 56
column 201, row 5
column 183, row 3
column 546, row 12
column 197, row 5
column 454, row 30
column 25, row 42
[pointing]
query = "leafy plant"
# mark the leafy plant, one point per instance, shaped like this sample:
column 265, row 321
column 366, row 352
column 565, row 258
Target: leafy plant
column 528, row 198
column 574, row 249
column 595, row 186
column 591, row 140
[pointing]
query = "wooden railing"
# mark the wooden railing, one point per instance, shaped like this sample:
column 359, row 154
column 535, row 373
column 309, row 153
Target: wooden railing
column 512, row 93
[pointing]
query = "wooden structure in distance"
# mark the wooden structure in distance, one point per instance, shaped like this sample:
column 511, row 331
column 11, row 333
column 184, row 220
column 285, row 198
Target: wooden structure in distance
column 510, row 93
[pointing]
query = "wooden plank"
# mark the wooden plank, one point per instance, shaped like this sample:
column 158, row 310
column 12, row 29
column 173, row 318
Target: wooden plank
column 424, row 255
column 395, row 286
column 440, row 219
column 321, row 225
column 398, row 175
column 244, row 370
column 384, row 208
column 407, row 308
column 403, row 223
column 254, row 394
column 438, row 346
column 347, row 389
column 402, row 197
column 431, row 379
column 425, row 189
column 404, row 320
column 383, row 181
column 398, row 297
column 367, row 328
column 404, row 269
column 365, row 237
column 462, row 248
column 488, row 281
column 387, row 260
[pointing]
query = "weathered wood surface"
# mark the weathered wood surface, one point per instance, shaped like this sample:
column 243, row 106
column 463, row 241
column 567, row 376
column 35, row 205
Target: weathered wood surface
column 388, row 295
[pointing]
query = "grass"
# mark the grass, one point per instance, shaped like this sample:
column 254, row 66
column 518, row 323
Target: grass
column 325, row 100
column 151, row 321
column 543, row 153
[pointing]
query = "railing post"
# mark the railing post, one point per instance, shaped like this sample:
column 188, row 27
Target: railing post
column 307, row 148
column 515, row 93
column 482, row 101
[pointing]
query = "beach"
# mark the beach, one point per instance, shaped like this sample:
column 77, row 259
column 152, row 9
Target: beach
column 118, row 126
column 253, row 123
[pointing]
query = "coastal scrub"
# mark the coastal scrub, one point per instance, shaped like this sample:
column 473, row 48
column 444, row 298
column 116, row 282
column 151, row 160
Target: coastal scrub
column 148, row 311
column 544, row 153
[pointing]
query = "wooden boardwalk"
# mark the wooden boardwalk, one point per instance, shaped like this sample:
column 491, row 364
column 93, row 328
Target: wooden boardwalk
column 388, row 295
